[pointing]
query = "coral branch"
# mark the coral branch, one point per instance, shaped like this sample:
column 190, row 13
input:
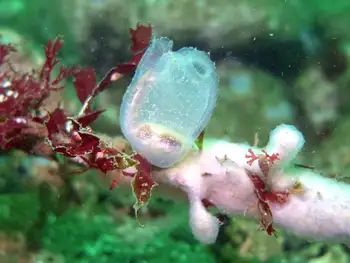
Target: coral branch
column 302, row 201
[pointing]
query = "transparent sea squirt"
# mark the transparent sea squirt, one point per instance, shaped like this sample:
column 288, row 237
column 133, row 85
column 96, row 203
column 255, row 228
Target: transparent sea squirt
column 169, row 102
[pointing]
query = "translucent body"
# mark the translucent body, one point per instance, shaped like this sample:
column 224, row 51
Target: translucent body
column 169, row 102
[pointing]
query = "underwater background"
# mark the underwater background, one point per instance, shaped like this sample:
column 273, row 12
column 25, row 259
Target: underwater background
column 279, row 61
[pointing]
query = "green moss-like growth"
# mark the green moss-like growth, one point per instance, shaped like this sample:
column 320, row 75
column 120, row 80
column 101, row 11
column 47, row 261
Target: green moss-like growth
column 18, row 212
column 97, row 238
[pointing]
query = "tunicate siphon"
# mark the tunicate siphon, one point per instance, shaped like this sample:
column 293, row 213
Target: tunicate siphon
column 169, row 102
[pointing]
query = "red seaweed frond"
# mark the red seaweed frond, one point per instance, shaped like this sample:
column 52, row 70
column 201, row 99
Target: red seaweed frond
column 85, row 80
column 265, row 160
column 264, row 194
column 25, row 124
column 265, row 197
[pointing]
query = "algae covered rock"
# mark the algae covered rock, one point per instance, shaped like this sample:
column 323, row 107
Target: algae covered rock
column 319, row 97
column 101, row 26
column 250, row 101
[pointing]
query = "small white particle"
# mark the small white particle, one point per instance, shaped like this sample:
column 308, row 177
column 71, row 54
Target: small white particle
column 6, row 84
column 20, row 120
column 9, row 93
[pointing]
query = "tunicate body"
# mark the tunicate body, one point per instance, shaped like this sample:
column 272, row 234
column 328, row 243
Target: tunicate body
column 169, row 102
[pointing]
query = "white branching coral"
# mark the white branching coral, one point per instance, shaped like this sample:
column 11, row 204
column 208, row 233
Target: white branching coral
column 242, row 180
